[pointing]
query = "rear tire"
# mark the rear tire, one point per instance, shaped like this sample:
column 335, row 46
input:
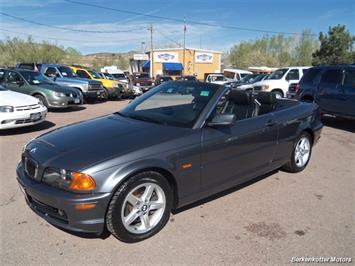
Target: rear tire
column 301, row 154
column 132, row 214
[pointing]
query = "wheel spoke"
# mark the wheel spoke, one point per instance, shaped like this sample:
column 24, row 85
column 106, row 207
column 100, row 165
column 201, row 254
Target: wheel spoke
column 147, row 193
column 131, row 217
column 145, row 220
column 132, row 199
column 155, row 205
column 300, row 158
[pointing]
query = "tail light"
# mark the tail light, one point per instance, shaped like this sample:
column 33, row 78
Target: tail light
column 298, row 88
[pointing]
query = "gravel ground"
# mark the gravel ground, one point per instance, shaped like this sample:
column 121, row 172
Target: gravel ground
column 310, row 214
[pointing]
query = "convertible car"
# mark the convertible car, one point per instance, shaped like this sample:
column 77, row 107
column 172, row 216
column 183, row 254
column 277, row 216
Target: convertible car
column 178, row 143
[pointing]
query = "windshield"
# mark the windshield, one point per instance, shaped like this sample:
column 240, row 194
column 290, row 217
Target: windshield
column 109, row 76
column 174, row 104
column 218, row 78
column 258, row 78
column 94, row 74
column 66, row 72
column 119, row 76
column 35, row 78
column 278, row 74
column 141, row 75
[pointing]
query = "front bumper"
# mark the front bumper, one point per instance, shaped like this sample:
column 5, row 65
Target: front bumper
column 64, row 102
column 95, row 94
column 22, row 118
column 58, row 207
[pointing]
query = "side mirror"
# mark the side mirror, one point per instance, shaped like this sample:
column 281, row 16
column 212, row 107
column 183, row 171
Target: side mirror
column 222, row 120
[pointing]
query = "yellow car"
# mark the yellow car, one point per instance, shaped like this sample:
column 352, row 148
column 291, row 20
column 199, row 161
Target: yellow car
column 113, row 88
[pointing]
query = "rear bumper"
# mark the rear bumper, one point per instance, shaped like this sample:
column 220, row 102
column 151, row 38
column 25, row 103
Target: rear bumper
column 58, row 207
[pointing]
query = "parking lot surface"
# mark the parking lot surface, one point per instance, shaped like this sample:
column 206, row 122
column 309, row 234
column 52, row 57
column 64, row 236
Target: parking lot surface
column 309, row 214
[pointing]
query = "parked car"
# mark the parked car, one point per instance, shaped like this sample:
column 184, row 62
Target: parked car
column 19, row 110
column 292, row 88
column 247, row 82
column 176, row 144
column 161, row 79
column 37, row 85
column 113, row 88
column 117, row 73
column 142, row 81
column 187, row 78
column 279, row 81
column 331, row 87
column 64, row 75
column 216, row 79
column 233, row 74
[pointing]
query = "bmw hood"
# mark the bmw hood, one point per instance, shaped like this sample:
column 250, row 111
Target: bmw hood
column 81, row 145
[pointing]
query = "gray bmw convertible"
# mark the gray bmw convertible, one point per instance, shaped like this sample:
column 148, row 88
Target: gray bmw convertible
column 178, row 143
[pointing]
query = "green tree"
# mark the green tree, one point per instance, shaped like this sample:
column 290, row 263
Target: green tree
column 306, row 45
column 336, row 47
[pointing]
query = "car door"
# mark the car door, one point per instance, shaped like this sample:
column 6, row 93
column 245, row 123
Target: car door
column 231, row 154
column 348, row 89
column 14, row 82
column 330, row 93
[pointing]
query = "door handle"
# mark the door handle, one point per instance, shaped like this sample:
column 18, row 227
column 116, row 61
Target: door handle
column 270, row 123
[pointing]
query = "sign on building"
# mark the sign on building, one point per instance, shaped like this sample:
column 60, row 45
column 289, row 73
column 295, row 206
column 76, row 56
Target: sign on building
column 166, row 57
column 141, row 57
column 201, row 57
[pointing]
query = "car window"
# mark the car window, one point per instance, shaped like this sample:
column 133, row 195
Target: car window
column 13, row 77
column 82, row 74
column 66, row 72
column 51, row 72
column 310, row 75
column 332, row 76
column 293, row 74
column 350, row 78
column 174, row 104
column 304, row 70
column 278, row 74
column 2, row 75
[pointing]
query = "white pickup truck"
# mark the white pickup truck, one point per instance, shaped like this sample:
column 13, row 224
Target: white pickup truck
column 216, row 79
column 279, row 81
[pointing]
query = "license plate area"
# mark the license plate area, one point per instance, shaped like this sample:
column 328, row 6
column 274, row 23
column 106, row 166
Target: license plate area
column 35, row 116
column 77, row 100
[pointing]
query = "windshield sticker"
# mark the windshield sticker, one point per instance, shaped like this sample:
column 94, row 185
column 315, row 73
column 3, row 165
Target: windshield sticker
column 205, row 93
column 35, row 81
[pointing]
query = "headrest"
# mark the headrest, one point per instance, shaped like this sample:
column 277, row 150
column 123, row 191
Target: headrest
column 239, row 97
column 264, row 97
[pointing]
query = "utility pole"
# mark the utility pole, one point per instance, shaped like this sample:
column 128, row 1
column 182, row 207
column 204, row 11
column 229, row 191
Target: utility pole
column 183, row 56
column 151, row 51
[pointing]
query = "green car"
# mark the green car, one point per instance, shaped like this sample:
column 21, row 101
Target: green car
column 35, row 84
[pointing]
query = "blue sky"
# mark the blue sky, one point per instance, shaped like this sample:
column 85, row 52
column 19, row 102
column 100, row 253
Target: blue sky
column 274, row 15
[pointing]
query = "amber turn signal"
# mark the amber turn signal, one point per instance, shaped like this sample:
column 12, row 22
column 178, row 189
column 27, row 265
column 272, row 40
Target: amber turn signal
column 83, row 207
column 81, row 181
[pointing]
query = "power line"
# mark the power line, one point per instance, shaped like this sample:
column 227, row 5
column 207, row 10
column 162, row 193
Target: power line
column 168, row 38
column 68, row 40
column 232, row 27
column 65, row 28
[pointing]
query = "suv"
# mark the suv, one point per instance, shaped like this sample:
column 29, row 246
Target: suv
column 279, row 81
column 142, row 81
column 64, row 75
column 331, row 87
column 112, row 88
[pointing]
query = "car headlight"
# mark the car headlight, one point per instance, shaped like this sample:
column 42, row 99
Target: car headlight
column 266, row 87
column 59, row 94
column 153, row 83
column 68, row 180
column 6, row 109
column 138, row 84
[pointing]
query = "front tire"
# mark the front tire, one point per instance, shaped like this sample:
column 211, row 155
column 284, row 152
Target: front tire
column 140, row 207
column 42, row 99
column 301, row 154
column 279, row 94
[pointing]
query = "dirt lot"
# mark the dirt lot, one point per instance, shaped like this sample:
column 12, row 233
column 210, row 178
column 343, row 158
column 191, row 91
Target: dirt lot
column 265, row 222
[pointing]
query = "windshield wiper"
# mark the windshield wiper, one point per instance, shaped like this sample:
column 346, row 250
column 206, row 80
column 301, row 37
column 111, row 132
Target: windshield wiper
column 146, row 119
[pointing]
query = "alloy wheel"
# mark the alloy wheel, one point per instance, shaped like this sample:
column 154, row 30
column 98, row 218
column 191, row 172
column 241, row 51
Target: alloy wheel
column 302, row 151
